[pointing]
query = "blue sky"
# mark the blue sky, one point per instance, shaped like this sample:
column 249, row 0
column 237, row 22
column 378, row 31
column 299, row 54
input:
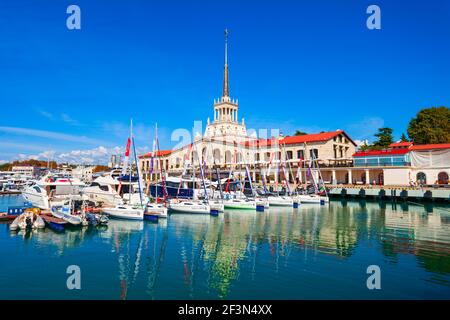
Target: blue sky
column 309, row 65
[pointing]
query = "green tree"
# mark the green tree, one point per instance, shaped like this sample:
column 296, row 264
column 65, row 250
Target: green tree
column 384, row 139
column 431, row 125
column 299, row 133
column 404, row 138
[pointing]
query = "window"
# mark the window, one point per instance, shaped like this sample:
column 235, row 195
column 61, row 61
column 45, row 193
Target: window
column 421, row 178
column 314, row 153
column 300, row 154
column 289, row 155
column 38, row 190
column 442, row 178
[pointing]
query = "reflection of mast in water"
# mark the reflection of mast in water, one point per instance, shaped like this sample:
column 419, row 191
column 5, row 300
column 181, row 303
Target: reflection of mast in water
column 153, row 271
column 124, row 261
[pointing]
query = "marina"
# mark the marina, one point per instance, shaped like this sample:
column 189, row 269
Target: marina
column 148, row 152
column 313, row 252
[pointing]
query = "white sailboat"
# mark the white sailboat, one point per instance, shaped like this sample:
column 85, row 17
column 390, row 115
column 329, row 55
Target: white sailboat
column 128, row 211
column 320, row 195
column 189, row 206
column 157, row 209
column 192, row 206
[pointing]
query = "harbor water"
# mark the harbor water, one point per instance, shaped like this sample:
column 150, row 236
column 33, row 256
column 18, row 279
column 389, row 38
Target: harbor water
column 313, row 252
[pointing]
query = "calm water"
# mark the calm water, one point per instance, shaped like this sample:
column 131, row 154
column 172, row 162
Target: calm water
column 308, row 253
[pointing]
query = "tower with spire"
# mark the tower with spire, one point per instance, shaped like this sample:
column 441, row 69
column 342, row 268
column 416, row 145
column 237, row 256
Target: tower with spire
column 226, row 120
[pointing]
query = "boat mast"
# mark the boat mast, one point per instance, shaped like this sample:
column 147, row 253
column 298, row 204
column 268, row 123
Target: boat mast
column 130, row 164
column 138, row 172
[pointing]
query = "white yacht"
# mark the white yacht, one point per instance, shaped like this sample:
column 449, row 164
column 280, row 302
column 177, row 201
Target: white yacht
column 52, row 189
column 104, row 189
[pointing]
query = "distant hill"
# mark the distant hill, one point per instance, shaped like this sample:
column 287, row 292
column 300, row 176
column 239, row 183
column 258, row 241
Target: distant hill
column 28, row 162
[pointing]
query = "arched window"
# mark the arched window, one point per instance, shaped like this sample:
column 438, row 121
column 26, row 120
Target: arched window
column 228, row 156
column 216, row 156
column 443, row 178
column 239, row 157
column 421, row 178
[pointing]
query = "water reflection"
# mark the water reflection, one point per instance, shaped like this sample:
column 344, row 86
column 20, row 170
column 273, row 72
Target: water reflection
column 196, row 256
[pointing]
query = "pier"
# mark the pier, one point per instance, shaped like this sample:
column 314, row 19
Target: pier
column 392, row 192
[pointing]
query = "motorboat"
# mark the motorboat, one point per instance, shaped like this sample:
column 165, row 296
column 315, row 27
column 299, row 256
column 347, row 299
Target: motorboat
column 189, row 206
column 70, row 216
column 104, row 189
column 52, row 189
column 30, row 219
column 125, row 211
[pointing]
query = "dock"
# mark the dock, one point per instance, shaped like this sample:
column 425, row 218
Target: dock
column 9, row 193
column 392, row 192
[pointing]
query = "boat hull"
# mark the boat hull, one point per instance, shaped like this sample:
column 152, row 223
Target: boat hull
column 239, row 205
column 189, row 207
column 126, row 213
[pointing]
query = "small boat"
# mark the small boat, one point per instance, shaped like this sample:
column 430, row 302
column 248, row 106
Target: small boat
column 56, row 224
column 157, row 209
column 128, row 212
column 280, row 201
column 240, row 204
column 311, row 198
column 27, row 220
column 73, row 218
column 189, row 206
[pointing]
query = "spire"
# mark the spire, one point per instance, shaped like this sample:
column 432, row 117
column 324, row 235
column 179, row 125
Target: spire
column 225, row 92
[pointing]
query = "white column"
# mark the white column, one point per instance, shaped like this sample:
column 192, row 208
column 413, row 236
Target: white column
column 350, row 179
column 367, row 177
column 333, row 179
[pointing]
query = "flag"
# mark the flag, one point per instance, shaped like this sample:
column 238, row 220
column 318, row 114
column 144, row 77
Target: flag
column 127, row 156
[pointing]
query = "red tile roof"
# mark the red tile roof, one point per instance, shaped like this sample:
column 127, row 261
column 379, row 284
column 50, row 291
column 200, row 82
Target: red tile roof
column 316, row 137
column 388, row 152
column 324, row 136
column 161, row 153
column 405, row 144
column 431, row 146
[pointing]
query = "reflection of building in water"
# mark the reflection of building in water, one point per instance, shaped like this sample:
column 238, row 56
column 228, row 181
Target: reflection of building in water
column 424, row 235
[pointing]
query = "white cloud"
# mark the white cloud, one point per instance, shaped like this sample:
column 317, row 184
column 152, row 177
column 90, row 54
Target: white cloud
column 50, row 135
column 3, row 162
column 99, row 155
column 68, row 119
column 46, row 114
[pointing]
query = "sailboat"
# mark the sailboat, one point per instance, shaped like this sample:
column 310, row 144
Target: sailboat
column 275, row 199
column 155, row 209
column 320, row 195
column 191, row 205
column 128, row 211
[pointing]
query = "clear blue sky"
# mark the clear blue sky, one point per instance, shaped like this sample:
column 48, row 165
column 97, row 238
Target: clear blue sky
column 311, row 65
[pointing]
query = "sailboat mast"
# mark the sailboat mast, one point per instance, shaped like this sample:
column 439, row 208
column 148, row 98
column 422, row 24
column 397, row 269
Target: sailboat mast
column 130, row 164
